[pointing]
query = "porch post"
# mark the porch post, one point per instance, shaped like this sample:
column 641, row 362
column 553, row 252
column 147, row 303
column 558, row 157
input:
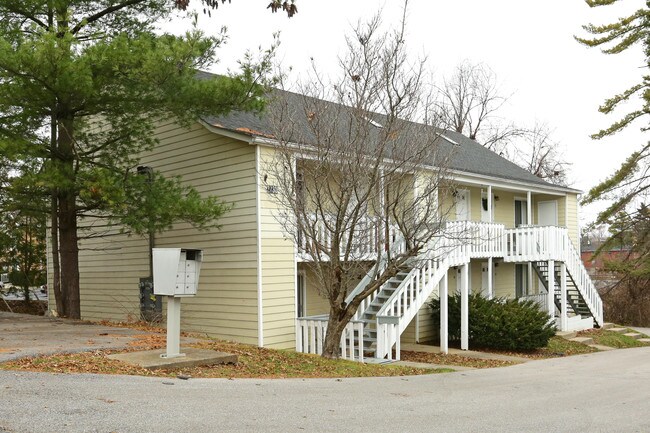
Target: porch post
column 551, row 288
column 563, row 300
column 490, row 271
column 529, row 208
column 464, row 307
column 444, row 313
column 489, row 203
column 382, row 243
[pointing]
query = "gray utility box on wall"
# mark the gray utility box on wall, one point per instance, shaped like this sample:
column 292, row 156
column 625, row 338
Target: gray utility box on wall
column 176, row 271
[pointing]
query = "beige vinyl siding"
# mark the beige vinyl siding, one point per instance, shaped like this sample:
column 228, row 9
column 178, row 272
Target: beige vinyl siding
column 278, row 267
column 315, row 304
column 226, row 302
column 572, row 219
column 428, row 329
column 504, row 207
column 108, row 265
column 504, row 280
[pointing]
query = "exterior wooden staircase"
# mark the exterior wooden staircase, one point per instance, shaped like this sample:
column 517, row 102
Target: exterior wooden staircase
column 381, row 318
column 576, row 303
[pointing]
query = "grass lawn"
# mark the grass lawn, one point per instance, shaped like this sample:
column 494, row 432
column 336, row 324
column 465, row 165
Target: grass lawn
column 612, row 339
column 254, row 362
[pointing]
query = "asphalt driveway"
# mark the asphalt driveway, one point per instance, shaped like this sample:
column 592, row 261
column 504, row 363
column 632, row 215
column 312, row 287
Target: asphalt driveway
column 24, row 335
column 600, row 392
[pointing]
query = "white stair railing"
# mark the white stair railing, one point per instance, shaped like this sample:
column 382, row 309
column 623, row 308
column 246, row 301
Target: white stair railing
column 398, row 246
column 398, row 311
column 461, row 241
column 553, row 243
column 311, row 332
column 583, row 282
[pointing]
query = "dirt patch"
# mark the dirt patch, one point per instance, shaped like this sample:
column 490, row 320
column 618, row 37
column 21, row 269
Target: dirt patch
column 451, row 360
column 35, row 308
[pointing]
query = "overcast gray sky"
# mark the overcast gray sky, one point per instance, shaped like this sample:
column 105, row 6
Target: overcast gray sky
column 528, row 44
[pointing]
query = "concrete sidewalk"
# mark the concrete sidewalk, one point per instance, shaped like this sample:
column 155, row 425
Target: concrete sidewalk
column 24, row 335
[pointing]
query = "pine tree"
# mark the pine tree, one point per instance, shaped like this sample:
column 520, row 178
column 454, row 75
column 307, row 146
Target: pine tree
column 631, row 180
column 82, row 85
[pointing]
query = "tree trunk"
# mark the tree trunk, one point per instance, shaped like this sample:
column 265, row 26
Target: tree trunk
column 335, row 326
column 56, row 264
column 69, row 250
column 67, row 216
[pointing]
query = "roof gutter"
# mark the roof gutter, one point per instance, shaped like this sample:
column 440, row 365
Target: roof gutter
column 459, row 175
column 227, row 133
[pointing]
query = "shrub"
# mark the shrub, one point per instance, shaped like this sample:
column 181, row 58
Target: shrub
column 499, row 323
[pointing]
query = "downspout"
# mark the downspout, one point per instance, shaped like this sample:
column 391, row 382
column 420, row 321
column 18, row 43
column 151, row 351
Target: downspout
column 148, row 171
column 260, row 310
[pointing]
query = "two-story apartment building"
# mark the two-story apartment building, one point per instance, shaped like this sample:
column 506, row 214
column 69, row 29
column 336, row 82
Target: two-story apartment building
column 256, row 286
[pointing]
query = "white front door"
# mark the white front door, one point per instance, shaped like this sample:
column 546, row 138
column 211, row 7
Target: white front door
column 462, row 205
column 547, row 213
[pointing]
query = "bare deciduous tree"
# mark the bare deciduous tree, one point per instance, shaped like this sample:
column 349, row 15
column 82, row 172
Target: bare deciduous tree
column 357, row 177
column 469, row 103
column 540, row 155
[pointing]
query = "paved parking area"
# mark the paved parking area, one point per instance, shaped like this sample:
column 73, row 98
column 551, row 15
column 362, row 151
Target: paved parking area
column 24, row 335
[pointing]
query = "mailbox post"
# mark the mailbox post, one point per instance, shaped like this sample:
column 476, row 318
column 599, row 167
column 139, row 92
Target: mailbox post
column 175, row 275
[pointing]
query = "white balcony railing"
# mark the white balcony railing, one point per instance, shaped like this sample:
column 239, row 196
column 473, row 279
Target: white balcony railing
column 369, row 238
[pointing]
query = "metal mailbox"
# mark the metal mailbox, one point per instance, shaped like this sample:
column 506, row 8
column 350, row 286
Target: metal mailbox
column 176, row 271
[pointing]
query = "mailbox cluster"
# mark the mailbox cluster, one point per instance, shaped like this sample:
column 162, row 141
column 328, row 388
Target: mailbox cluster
column 175, row 275
column 176, row 271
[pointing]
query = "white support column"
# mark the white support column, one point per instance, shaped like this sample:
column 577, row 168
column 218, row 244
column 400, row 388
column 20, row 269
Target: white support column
column 529, row 208
column 490, row 282
column 563, row 300
column 173, row 328
column 444, row 314
column 489, row 203
column 464, row 307
column 551, row 288
column 382, row 214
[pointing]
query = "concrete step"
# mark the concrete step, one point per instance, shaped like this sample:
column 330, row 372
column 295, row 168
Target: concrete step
column 608, row 325
column 634, row 335
column 644, row 340
column 567, row 334
column 582, row 340
column 619, row 330
column 601, row 347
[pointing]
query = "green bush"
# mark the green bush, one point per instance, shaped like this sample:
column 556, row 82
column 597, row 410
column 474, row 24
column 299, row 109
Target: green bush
column 505, row 324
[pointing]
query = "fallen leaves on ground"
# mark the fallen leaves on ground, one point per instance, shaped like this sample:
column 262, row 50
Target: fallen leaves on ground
column 254, row 362
column 453, row 360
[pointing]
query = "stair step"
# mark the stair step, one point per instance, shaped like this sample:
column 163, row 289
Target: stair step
column 567, row 334
column 634, row 335
column 619, row 330
column 583, row 340
column 644, row 340
column 601, row 347
column 607, row 325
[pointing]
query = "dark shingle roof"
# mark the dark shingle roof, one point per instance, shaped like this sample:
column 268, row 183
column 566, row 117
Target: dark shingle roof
column 467, row 155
